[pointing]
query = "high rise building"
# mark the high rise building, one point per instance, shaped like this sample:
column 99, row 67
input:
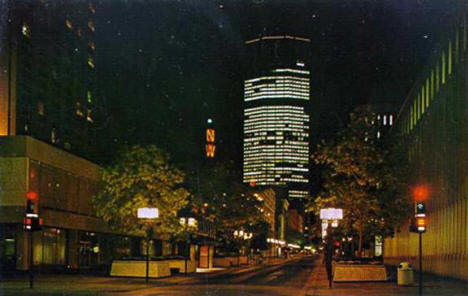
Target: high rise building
column 47, row 72
column 276, row 117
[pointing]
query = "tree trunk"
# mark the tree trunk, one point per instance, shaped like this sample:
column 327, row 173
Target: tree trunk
column 360, row 242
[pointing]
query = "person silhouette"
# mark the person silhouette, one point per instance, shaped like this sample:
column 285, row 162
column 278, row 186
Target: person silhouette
column 329, row 250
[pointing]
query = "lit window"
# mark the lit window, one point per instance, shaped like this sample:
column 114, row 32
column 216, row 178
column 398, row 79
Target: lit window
column 91, row 45
column 450, row 53
column 53, row 135
column 79, row 112
column 390, row 119
column 91, row 26
column 88, row 116
column 25, row 30
column 427, row 92
column 91, row 8
column 40, row 108
column 385, row 120
column 91, row 62
column 443, row 68
column 422, row 99
column 378, row 135
column 68, row 23
column 89, row 97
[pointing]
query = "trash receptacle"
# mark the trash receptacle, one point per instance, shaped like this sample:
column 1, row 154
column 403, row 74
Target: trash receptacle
column 405, row 274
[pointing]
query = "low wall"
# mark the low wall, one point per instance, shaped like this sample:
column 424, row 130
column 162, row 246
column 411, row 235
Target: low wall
column 137, row 268
column 359, row 273
column 180, row 264
column 229, row 261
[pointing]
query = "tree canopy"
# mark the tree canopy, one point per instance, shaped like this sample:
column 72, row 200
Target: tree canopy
column 365, row 176
column 142, row 177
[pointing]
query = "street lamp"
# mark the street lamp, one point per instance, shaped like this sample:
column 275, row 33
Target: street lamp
column 330, row 214
column 148, row 215
column 187, row 222
column 242, row 236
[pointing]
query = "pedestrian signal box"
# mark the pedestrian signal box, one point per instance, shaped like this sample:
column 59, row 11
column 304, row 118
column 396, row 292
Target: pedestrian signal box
column 420, row 209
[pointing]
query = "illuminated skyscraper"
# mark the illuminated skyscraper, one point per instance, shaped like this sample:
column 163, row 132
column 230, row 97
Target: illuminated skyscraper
column 276, row 119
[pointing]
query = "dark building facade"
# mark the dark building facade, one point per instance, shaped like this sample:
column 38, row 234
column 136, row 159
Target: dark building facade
column 434, row 126
column 48, row 72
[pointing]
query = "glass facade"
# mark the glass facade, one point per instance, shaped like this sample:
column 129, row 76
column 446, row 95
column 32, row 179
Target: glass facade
column 276, row 129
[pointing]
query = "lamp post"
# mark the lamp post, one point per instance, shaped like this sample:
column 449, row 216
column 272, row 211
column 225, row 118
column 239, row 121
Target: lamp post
column 187, row 222
column 242, row 235
column 327, row 215
column 148, row 215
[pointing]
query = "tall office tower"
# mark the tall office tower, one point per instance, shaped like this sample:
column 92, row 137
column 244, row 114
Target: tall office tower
column 276, row 119
column 47, row 72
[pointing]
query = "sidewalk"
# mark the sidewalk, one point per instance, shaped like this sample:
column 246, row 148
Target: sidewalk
column 433, row 285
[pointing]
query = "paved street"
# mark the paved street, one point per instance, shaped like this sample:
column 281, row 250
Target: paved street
column 302, row 276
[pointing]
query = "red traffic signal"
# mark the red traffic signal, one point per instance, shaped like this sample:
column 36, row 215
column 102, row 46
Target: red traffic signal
column 31, row 202
column 31, row 195
column 420, row 193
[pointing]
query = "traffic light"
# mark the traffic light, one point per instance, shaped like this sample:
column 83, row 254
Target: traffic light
column 31, row 204
column 420, row 193
column 421, row 224
column 420, row 209
column 32, row 222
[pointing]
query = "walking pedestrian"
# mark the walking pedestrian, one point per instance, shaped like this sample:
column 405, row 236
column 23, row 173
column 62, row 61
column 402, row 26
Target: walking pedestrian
column 329, row 250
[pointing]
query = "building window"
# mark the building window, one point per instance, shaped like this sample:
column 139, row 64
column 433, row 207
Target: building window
column 92, row 45
column 91, row 8
column 443, row 68
column 423, row 96
column 91, row 62
column 53, row 135
column 450, row 54
column 25, row 30
column 69, row 24
column 427, row 92
column 89, row 97
column 88, row 116
column 40, row 108
column 385, row 120
column 79, row 112
column 91, row 26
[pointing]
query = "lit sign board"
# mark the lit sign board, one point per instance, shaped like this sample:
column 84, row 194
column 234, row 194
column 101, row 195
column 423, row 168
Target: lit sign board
column 210, row 135
column 331, row 214
column 210, row 150
column 148, row 213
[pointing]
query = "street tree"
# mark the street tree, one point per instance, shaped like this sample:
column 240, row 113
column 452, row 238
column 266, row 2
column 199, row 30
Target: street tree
column 142, row 177
column 365, row 176
column 230, row 204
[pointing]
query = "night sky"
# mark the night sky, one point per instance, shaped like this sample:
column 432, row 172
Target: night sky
column 164, row 67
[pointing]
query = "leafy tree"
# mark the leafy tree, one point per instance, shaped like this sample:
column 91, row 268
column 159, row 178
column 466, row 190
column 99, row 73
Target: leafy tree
column 142, row 177
column 228, row 202
column 364, row 177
